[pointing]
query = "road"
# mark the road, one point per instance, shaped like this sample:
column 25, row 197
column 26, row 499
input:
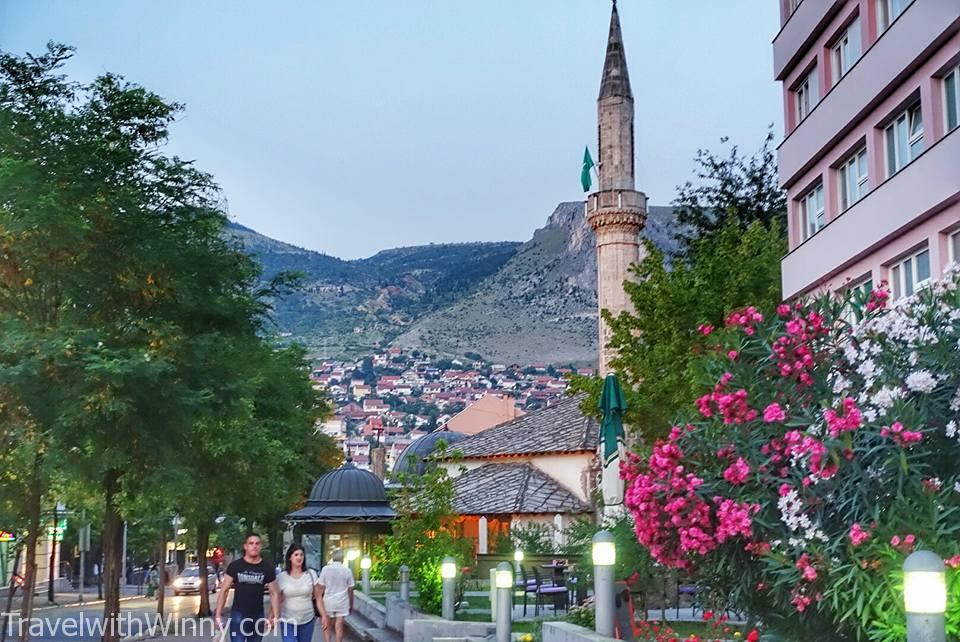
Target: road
column 84, row 623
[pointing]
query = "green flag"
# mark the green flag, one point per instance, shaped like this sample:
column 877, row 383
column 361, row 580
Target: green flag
column 585, row 171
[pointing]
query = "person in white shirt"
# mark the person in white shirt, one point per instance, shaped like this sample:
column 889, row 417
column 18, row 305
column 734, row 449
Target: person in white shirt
column 298, row 588
column 336, row 595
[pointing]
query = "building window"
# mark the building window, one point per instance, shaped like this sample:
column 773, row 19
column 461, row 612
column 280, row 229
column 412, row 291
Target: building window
column 812, row 215
column 854, row 183
column 910, row 274
column 953, row 245
column 888, row 10
column 806, row 95
column 858, row 292
column 846, row 51
column 904, row 139
column 951, row 98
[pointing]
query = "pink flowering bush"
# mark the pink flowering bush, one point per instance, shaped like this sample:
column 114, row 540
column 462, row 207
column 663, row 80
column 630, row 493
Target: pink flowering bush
column 823, row 451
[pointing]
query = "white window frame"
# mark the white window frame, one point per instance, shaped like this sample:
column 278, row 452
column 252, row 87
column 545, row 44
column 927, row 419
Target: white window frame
column 904, row 284
column 953, row 246
column 955, row 74
column 855, row 163
column 866, row 285
column 806, row 95
column 901, row 158
column 812, row 199
column 846, row 51
column 887, row 12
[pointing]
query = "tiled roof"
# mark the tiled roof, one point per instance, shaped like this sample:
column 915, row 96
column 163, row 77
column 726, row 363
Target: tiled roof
column 509, row 489
column 557, row 429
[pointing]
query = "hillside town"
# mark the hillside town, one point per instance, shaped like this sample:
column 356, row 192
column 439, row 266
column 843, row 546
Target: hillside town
column 395, row 397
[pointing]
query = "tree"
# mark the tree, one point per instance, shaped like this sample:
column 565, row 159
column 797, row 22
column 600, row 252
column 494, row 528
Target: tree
column 424, row 532
column 735, row 186
column 730, row 257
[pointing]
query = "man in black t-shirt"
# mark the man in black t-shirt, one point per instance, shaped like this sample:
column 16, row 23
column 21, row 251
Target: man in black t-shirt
column 248, row 576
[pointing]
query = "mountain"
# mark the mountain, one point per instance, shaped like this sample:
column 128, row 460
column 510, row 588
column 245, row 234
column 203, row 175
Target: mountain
column 509, row 302
column 347, row 308
column 541, row 305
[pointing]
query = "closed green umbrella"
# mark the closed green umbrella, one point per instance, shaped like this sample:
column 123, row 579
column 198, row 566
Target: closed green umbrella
column 612, row 406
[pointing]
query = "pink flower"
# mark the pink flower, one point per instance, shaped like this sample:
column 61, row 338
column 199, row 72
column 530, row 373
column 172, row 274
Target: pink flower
column 705, row 329
column 901, row 436
column 732, row 355
column 954, row 562
column 895, row 540
column 773, row 413
column 737, row 472
column 858, row 535
column 783, row 310
column 848, row 420
column 909, row 540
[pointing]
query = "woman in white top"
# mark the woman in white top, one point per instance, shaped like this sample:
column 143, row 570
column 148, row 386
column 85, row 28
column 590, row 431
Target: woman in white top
column 297, row 587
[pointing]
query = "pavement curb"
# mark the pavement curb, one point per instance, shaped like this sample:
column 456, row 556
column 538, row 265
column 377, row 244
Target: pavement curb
column 69, row 605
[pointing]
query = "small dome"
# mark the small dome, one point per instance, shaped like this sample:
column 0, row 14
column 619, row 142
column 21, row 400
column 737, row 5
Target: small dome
column 411, row 460
column 348, row 484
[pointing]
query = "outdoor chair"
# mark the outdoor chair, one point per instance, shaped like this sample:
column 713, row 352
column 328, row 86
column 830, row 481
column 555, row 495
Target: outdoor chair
column 687, row 589
column 529, row 587
column 557, row 592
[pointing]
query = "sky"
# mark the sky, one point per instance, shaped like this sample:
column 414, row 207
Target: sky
column 354, row 126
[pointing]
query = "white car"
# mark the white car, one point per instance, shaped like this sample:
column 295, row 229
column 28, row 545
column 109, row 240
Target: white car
column 189, row 581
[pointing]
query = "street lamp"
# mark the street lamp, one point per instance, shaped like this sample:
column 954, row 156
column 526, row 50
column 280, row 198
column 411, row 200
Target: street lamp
column 925, row 597
column 604, row 556
column 448, row 573
column 365, row 565
column 517, row 559
column 504, row 581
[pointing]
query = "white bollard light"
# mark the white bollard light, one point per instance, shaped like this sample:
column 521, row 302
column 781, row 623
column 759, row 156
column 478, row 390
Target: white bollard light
column 604, row 557
column 365, row 564
column 448, row 574
column 405, row 583
column 925, row 597
column 504, row 606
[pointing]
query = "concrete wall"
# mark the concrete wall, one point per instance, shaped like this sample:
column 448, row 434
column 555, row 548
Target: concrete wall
column 369, row 608
column 566, row 632
column 398, row 612
column 428, row 630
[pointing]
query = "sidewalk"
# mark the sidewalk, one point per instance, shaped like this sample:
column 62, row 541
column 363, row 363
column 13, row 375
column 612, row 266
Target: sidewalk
column 64, row 599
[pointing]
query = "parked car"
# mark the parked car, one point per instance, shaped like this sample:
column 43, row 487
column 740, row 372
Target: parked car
column 189, row 581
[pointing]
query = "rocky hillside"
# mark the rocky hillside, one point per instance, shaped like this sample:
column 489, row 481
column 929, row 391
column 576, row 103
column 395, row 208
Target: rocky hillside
column 541, row 305
column 347, row 308
column 509, row 302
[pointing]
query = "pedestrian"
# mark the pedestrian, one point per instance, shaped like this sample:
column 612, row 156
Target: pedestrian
column 298, row 589
column 336, row 595
column 248, row 576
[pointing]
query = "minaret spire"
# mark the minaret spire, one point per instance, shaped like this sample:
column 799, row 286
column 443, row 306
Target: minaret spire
column 616, row 80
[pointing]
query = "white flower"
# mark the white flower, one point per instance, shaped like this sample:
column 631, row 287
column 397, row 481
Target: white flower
column 951, row 429
column 886, row 396
column 956, row 487
column 870, row 415
column 921, row 381
column 840, row 385
column 955, row 402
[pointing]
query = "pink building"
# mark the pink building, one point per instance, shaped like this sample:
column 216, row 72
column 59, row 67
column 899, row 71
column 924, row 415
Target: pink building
column 871, row 154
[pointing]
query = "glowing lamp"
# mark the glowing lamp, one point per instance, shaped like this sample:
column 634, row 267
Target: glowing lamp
column 504, row 576
column 365, row 562
column 448, row 568
column 924, row 583
column 518, row 555
column 604, row 551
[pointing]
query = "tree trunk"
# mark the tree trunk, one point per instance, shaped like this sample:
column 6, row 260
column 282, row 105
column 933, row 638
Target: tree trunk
column 203, row 541
column 34, row 501
column 161, row 571
column 112, row 550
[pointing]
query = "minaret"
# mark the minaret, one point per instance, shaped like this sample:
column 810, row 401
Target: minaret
column 616, row 211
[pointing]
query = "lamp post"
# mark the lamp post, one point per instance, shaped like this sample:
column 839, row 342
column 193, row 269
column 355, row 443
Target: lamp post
column 405, row 583
column 448, row 573
column 504, row 582
column 365, row 565
column 925, row 597
column 517, row 559
column 604, row 557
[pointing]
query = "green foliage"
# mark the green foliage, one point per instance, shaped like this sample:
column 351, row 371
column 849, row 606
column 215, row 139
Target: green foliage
column 424, row 532
column 583, row 615
column 846, row 464
column 658, row 346
column 633, row 560
column 735, row 186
